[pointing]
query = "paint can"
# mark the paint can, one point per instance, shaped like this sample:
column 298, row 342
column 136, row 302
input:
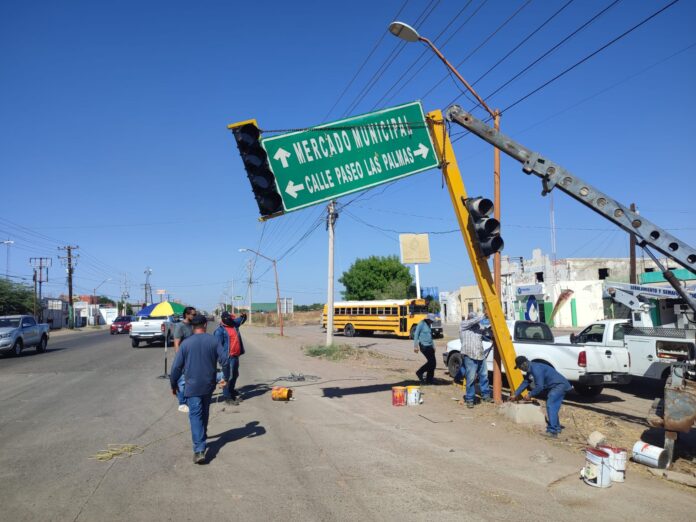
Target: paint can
column 597, row 471
column 398, row 396
column 280, row 393
column 652, row 456
column 617, row 461
column 413, row 395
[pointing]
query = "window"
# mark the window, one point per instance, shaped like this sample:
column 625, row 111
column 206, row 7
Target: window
column 28, row 321
column 380, row 310
column 539, row 277
column 592, row 334
column 603, row 273
column 649, row 269
column 373, row 311
column 531, row 331
column 9, row 323
column 394, row 311
column 619, row 332
column 361, row 310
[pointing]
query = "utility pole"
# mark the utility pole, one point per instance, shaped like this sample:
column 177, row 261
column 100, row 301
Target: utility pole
column 250, row 283
column 147, row 286
column 8, row 243
column 39, row 263
column 331, row 217
column 69, row 263
column 633, row 276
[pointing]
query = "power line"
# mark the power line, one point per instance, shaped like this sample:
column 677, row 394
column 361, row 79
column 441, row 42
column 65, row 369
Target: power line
column 362, row 66
column 482, row 44
column 591, row 55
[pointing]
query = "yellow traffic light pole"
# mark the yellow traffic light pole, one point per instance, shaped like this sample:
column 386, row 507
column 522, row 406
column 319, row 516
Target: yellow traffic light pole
column 479, row 263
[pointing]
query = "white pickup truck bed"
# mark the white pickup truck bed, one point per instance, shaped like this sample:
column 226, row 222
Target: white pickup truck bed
column 588, row 368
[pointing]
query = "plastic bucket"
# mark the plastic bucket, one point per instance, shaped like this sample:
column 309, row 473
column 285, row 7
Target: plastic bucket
column 398, row 396
column 279, row 393
column 597, row 471
column 617, row 461
column 413, row 395
column 652, row 456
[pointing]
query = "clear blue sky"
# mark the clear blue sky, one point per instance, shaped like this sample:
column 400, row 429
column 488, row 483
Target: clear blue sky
column 113, row 131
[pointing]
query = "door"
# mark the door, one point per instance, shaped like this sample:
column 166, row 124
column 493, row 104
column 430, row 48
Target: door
column 30, row 331
column 642, row 355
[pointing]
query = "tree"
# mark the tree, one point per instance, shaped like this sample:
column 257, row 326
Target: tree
column 376, row 277
column 103, row 300
column 15, row 298
column 433, row 306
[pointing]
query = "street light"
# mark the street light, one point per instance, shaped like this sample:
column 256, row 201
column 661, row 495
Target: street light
column 275, row 271
column 409, row 34
column 94, row 293
column 8, row 243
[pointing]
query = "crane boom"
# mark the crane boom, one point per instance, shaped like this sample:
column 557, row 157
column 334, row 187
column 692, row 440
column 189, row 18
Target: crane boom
column 552, row 175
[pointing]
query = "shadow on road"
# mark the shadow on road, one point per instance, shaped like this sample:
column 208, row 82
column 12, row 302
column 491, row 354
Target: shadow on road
column 252, row 429
column 635, row 419
column 338, row 393
column 253, row 390
column 31, row 352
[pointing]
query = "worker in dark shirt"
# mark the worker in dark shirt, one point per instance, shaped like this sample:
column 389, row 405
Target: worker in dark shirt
column 539, row 378
column 197, row 359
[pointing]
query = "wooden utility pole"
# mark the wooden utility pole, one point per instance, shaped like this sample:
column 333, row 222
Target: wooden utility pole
column 330, row 222
column 69, row 263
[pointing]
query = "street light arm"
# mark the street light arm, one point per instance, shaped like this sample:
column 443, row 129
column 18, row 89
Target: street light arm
column 461, row 78
column 257, row 253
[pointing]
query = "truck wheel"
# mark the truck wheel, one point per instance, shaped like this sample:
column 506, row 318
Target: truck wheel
column 349, row 330
column 587, row 390
column 412, row 332
column 17, row 348
column 135, row 343
column 453, row 363
column 41, row 347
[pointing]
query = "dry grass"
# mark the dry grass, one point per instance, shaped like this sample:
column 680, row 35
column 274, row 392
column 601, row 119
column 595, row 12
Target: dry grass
column 339, row 352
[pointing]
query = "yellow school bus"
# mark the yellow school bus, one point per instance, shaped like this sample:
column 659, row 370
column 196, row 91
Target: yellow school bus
column 398, row 316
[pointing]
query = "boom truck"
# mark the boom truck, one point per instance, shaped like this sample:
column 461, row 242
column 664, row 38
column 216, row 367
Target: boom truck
column 676, row 411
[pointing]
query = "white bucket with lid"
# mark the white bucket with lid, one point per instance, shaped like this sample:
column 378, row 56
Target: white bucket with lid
column 617, row 462
column 597, row 470
column 650, row 455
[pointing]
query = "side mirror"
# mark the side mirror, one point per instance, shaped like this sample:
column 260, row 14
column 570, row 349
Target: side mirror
column 573, row 338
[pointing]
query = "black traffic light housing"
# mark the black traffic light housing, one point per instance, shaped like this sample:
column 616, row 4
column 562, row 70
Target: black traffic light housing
column 248, row 138
column 487, row 228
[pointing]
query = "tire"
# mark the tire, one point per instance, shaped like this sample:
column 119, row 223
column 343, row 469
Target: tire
column 135, row 343
column 453, row 363
column 587, row 390
column 112, row 332
column 349, row 330
column 41, row 347
column 412, row 332
column 17, row 348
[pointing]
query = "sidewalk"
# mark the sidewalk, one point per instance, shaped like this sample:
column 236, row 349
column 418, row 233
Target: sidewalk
column 62, row 332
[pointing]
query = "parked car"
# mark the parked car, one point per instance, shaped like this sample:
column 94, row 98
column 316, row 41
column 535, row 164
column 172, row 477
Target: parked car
column 122, row 324
column 152, row 330
column 652, row 350
column 18, row 332
column 588, row 368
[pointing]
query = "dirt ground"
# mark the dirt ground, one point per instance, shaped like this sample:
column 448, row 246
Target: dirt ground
column 618, row 413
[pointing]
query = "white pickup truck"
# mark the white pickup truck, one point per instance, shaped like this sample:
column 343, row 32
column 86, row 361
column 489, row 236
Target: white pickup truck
column 652, row 350
column 152, row 330
column 588, row 368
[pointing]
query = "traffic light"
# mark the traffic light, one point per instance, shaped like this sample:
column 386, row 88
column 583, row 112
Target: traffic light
column 487, row 228
column 248, row 137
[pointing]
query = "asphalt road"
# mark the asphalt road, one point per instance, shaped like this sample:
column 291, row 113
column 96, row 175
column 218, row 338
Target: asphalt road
column 338, row 452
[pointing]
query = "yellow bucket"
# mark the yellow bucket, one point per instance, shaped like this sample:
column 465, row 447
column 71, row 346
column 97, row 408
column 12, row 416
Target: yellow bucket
column 280, row 393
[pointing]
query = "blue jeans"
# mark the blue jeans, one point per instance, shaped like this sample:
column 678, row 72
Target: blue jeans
column 199, row 409
column 180, row 394
column 470, row 369
column 554, row 400
column 228, row 392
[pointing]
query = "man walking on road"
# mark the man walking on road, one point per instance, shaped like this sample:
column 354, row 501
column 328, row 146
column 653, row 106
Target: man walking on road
column 544, row 378
column 473, row 360
column 423, row 341
column 229, row 337
column 182, row 330
column 197, row 360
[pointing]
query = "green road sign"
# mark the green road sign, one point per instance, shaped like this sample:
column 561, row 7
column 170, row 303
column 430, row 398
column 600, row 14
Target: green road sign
column 350, row 155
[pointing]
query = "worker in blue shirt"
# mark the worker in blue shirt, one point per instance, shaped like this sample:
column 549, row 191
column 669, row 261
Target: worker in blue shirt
column 538, row 378
column 423, row 341
column 197, row 359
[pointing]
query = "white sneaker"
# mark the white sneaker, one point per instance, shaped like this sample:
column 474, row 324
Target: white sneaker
column 183, row 408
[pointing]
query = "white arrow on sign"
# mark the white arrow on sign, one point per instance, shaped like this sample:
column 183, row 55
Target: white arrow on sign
column 422, row 151
column 293, row 189
column 282, row 155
